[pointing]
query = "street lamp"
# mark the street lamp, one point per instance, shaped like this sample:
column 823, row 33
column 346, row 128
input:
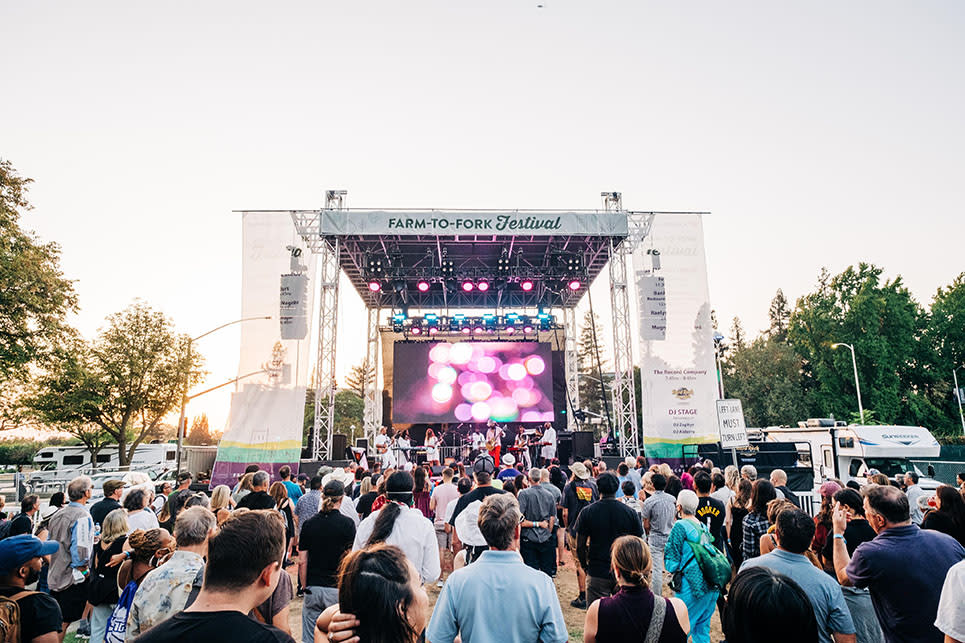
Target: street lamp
column 719, row 348
column 182, row 429
column 958, row 396
column 857, row 386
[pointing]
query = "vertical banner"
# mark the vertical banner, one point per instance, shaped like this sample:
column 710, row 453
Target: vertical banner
column 268, row 405
column 679, row 390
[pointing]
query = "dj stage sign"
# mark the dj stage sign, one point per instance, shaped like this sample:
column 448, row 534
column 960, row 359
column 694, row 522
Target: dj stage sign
column 434, row 222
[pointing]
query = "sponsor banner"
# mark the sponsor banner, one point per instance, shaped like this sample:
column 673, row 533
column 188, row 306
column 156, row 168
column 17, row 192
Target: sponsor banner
column 678, row 375
column 267, row 408
column 730, row 421
column 432, row 222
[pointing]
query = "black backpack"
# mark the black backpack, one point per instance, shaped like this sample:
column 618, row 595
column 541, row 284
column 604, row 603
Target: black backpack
column 5, row 528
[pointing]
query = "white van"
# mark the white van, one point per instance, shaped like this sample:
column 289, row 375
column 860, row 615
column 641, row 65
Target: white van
column 888, row 449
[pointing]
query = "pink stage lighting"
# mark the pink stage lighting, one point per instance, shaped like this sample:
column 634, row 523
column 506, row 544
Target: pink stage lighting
column 526, row 285
column 527, row 329
column 574, row 284
column 375, row 286
column 483, row 286
column 466, row 330
column 467, row 286
column 416, row 330
column 423, row 285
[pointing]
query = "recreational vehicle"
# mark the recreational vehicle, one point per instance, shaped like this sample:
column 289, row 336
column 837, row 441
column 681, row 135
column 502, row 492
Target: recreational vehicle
column 857, row 449
column 56, row 465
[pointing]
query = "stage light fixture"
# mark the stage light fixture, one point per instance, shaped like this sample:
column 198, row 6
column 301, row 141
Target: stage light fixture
column 467, row 286
column 398, row 286
column 502, row 264
column 466, row 331
column 423, row 285
column 375, row 266
column 483, row 286
column 510, row 330
column 457, row 322
column 574, row 284
column 415, row 330
column 446, row 267
column 375, row 286
column 526, row 285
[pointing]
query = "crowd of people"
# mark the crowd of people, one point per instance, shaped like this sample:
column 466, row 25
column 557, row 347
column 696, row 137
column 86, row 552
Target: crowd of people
column 655, row 553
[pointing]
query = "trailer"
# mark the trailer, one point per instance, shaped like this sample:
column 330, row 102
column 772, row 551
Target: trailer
column 56, row 466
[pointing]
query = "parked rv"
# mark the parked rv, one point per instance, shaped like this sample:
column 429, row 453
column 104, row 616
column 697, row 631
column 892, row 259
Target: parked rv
column 55, row 466
column 857, row 449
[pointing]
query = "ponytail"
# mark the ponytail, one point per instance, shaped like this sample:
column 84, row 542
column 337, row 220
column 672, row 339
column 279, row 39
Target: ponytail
column 384, row 523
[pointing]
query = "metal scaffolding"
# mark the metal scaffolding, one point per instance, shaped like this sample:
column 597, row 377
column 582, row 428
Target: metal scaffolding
column 570, row 366
column 372, row 399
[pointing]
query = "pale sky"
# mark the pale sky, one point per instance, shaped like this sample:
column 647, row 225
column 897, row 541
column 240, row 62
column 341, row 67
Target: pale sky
column 818, row 134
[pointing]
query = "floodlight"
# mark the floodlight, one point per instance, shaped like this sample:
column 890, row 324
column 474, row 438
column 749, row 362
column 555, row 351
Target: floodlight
column 375, row 286
column 526, row 285
column 467, row 286
column 483, row 286
column 574, row 284
column 423, row 285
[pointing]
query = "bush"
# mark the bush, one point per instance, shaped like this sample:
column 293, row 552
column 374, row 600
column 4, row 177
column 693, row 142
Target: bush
column 23, row 451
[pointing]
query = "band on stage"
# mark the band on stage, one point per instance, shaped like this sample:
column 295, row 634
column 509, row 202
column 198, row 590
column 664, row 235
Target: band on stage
column 529, row 444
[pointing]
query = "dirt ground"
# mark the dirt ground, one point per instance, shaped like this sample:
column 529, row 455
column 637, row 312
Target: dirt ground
column 566, row 589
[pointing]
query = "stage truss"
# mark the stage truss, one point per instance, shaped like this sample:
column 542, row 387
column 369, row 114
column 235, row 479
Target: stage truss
column 470, row 256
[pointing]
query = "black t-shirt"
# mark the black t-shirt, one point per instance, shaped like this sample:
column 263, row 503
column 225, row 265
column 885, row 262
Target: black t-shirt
column 213, row 627
column 21, row 525
column 101, row 508
column 603, row 522
column 257, row 500
column 479, row 493
column 364, row 507
column 712, row 512
column 789, row 495
column 857, row 532
column 39, row 613
column 326, row 537
column 941, row 521
column 577, row 495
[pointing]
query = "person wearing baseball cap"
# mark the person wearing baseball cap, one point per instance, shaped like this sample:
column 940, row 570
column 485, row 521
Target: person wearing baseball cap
column 20, row 563
column 578, row 494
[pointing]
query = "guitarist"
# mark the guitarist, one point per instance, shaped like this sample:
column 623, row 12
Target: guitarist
column 382, row 444
column 494, row 436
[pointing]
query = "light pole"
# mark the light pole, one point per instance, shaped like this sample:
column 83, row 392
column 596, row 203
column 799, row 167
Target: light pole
column 718, row 349
column 857, row 386
column 182, row 421
column 958, row 396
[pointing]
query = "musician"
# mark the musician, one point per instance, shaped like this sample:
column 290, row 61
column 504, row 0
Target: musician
column 494, row 435
column 521, row 447
column 432, row 451
column 477, row 439
column 403, row 445
column 382, row 447
column 548, row 442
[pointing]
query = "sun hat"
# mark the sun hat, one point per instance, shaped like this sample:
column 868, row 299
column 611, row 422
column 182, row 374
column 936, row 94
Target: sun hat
column 580, row 471
column 509, row 460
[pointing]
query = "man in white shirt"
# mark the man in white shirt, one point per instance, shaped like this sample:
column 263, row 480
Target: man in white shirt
column 382, row 447
column 478, row 441
column 951, row 607
column 548, row 452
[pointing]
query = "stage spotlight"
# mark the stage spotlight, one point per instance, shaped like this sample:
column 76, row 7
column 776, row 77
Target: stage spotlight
column 433, row 330
column 375, row 286
column 375, row 266
column 527, row 329
column 467, row 286
column 457, row 322
column 502, row 264
column 510, row 330
column 446, row 267
column 483, row 286
column 416, row 330
column 526, row 285
column 574, row 284
column 466, row 331
column 480, row 330
column 423, row 285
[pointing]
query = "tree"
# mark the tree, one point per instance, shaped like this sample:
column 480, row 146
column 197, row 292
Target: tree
column 200, row 432
column 766, row 376
column 945, row 339
column 34, row 296
column 125, row 382
column 780, row 316
column 737, row 334
column 360, row 376
column 349, row 409
column 590, row 365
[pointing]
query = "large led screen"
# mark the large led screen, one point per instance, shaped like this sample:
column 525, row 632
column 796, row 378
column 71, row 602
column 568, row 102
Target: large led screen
column 472, row 382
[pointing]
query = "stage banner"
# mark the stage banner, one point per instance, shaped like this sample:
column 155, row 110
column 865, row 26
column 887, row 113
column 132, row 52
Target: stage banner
column 679, row 389
column 268, row 405
column 439, row 222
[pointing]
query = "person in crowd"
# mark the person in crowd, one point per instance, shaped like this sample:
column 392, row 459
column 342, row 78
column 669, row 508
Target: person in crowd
column 421, row 496
column 221, row 502
column 177, row 498
column 630, row 499
column 73, row 528
column 727, row 487
column 283, row 505
column 674, row 486
column 949, row 515
column 634, row 611
column 160, row 500
column 399, row 523
column 139, row 516
column 102, row 591
column 554, row 480
column 368, row 492
column 710, row 510
column 538, row 506
column 24, row 522
column 113, row 490
column 442, row 495
column 302, row 479
column 633, row 474
column 749, row 473
column 623, row 475
column 755, row 523
column 960, row 481
column 779, row 480
column 901, row 566
column 383, row 597
column 464, row 486
column 482, row 474
column 678, row 557
column 578, row 494
column 913, row 491
column 465, row 606
column 687, row 480
column 276, row 609
column 822, row 521
column 769, row 542
column 738, row 507
column 346, row 508
column 21, row 558
column 258, row 498
column 243, row 488
column 165, row 590
column 795, row 530
column 547, row 452
column 294, row 491
column 325, row 539
column 597, row 527
column 764, row 606
column 197, row 499
column 719, row 489
column 243, row 568
column 659, row 511
column 509, row 470
column 310, row 502
column 144, row 551
column 951, row 607
column 431, row 443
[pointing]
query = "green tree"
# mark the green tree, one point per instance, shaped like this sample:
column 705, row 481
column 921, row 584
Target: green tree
column 737, row 334
column 779, row 315
column 125, row 382
column 766, row 376
column 360, row 375
column 589, row 349
column 200, row 432
column 349, row 409
column 945, row 339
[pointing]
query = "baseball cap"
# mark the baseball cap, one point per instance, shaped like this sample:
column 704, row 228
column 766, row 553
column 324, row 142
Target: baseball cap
column 110, row 486
column 829, row 488
column 184, row 475
column 303, row 477
column 580, row 471
column 484, row 462
column 334, row 489
column 16, row 550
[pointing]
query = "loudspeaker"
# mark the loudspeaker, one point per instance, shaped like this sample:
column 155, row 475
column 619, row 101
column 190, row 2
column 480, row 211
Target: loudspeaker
column 437, row 471
column 311, row 467
column 362, row 443
column 339, row 442
column 582, row 445
column 564, row 447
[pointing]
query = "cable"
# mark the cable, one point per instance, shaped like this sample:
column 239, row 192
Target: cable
column 599, row 367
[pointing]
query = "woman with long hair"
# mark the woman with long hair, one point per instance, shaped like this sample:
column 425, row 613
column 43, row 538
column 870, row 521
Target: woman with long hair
column 367, row 495
column 279, row 493
column 755, row 522
column 630, row 613
column 221, row 502
column 768, row 542
column 822, row 521
column 737, row 509
column 949, row 517
column 102, row 584
column 420, row 492
column 383, row 593
column 432, row 448
column 244, row 487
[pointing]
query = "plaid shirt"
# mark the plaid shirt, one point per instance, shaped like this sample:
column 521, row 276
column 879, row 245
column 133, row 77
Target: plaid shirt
column 755, row 526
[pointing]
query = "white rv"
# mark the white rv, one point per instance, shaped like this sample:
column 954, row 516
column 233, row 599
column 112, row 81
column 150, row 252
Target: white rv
column 55, row 465
column 888, row 449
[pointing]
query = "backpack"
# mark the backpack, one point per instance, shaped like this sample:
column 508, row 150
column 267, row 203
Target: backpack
column 10, row 617
column 5, row 528
column 117, row 623
column 712, row 562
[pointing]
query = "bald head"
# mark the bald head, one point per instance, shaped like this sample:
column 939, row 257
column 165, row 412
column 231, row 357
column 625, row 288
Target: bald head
column 778, row 478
